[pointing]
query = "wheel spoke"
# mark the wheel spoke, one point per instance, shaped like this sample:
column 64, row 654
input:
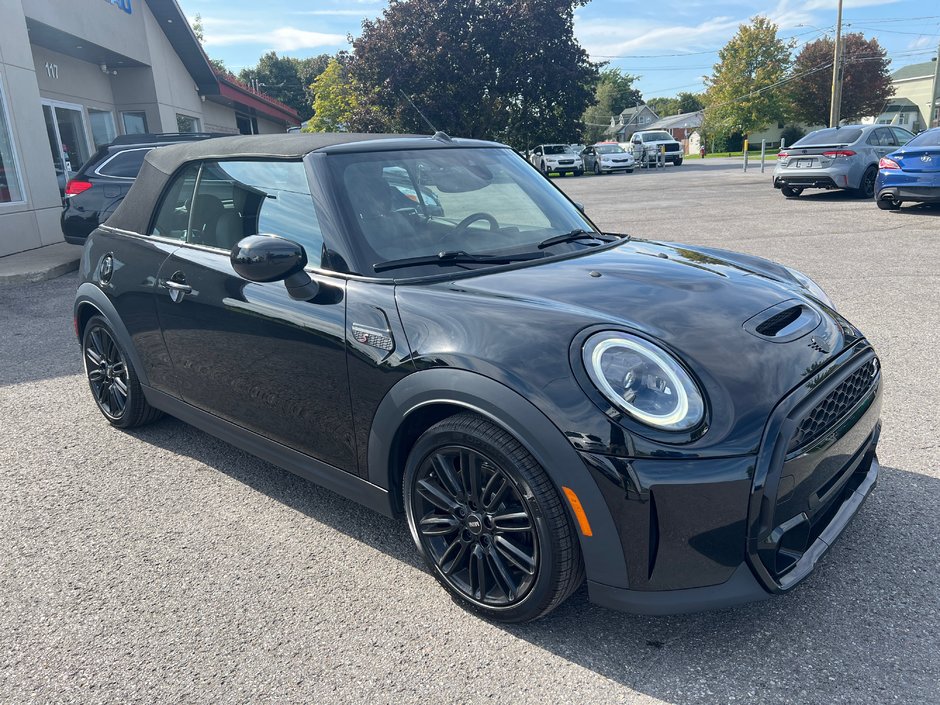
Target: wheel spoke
column 436, row 525
column 121, row 386
column 470, row 466
column 478, row 573
column 93, row 356
column 501, row 573
column 445, row 471
column 432, row 492
column 495, row 489
column 511, row 521
column 95, row 376
column 515, row 555
column 102, row 392
column 461, row 549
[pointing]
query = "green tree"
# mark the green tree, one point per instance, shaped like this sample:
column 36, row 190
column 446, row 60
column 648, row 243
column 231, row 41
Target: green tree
column 743, row 93
column 664, row 107
column 690, row 102
column 498, row 69
column 613, row 93
column 341, row 105
column 287, row 79
column 866, row 81
column 200, row 33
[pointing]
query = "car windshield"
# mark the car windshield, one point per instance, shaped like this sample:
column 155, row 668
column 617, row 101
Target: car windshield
column 556, row 149
column 830, row 136
column 609, row 149
column 656, row 136
column 420, row 203
column 930, row 138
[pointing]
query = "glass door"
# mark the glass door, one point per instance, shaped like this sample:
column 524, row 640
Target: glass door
column 68, row 138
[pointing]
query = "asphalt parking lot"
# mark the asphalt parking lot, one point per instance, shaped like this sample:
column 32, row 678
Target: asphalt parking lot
column 162, row 565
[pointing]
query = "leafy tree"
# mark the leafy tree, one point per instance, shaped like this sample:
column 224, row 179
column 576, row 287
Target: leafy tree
column 866, row 81
column 200, row 33
column 499, row 69
column 340, row 104
column 613, row 93
column 743, row 93
column 287, row 79
column 689, row 102
column 664, row 107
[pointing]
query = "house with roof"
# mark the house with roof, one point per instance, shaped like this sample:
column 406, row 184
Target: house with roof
column 622, row 126
column 685, row 128
column 915, row 93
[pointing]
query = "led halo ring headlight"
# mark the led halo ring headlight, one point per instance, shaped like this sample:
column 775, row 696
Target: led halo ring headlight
column 643, row 380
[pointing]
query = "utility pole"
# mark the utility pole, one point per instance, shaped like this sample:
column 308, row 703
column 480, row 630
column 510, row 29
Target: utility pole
column 836, row 104
column 933, row 96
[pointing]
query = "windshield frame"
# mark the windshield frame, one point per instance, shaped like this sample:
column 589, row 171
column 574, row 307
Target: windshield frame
column 348, row 259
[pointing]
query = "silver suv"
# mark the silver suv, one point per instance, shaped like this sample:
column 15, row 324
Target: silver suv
column 837, row 158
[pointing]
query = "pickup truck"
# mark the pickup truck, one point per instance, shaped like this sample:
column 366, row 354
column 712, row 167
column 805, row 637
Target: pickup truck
column 645, row 146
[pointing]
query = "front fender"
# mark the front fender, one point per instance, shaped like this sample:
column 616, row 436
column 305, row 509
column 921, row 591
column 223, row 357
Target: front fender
column 603, row 552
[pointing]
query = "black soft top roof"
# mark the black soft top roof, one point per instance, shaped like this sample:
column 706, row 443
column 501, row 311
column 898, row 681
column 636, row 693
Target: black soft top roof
column 134, row 212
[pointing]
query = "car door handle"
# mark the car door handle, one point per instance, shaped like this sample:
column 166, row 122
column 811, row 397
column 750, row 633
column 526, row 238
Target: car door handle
column 177, row 286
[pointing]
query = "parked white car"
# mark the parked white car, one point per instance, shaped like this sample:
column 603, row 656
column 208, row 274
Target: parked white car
column 556, row 158
column 606, row 158
column 645, row 146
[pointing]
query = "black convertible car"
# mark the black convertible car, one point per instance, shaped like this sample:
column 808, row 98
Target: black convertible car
column 428, row 326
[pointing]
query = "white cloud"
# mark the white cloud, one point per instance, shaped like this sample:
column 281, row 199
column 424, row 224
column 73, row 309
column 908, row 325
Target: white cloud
column 280, row 39
column 599, row 40
column 364, row 12
column 846, row 5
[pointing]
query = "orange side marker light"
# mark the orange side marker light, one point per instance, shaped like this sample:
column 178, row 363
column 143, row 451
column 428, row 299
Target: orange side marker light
column 578, row 511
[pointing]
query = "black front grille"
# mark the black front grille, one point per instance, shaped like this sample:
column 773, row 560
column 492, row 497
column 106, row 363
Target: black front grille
column 835, row 405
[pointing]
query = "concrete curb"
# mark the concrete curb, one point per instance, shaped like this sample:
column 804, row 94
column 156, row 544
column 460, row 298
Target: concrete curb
column 40, row 264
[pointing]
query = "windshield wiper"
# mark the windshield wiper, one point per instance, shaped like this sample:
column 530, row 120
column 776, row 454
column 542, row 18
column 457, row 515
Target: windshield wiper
column 576, row 234
column 453, row 257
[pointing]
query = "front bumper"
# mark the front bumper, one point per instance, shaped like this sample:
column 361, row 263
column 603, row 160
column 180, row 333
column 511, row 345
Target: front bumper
column 708, row 533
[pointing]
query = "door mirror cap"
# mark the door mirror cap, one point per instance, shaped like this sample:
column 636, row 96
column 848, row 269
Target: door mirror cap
column 579, row 205
column 267, row 258
column 270, row 258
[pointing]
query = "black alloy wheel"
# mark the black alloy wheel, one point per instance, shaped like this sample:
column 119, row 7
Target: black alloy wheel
column 112, row 378
column 488, row 522
column 867, row 187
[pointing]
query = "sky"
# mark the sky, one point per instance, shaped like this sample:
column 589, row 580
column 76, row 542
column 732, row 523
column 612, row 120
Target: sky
column 670, row 44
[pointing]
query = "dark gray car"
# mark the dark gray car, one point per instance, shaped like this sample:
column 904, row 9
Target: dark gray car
column 837, row 158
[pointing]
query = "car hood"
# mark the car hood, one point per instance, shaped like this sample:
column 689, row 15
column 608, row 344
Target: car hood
column 701, row 304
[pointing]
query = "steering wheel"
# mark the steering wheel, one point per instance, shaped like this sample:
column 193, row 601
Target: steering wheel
column 464, row 224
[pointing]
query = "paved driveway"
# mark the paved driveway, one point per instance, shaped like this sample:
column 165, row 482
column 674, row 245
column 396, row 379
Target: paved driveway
column 164, row 566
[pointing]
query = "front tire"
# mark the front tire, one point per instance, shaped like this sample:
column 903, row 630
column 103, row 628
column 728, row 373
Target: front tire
column 678, row 162
column 597, row 169
column 488, row 521
column 112, row 378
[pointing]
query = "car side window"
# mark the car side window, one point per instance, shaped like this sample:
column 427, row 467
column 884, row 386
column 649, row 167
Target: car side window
column 902, row 136
column 887, row 137
column 124, row 165
column 235, row 199
column 173, row 215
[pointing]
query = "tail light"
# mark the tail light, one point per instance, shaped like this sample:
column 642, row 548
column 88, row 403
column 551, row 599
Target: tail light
column 885, row 163
column 782, row 155
column 75, row 187
column 839, row 153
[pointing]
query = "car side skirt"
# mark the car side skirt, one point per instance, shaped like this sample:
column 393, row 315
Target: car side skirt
column 318, row 472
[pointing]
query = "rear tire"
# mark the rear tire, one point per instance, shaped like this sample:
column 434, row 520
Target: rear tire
column 628, row 171
column 112, row 377
column 791, row 191
column 597, row 169
column 866, row 188
column 678, row 162
column 488, row 521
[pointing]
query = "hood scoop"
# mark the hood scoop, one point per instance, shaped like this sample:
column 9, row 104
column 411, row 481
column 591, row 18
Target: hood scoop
column 784, row 322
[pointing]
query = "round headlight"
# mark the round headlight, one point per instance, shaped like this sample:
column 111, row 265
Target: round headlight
column 643, row 380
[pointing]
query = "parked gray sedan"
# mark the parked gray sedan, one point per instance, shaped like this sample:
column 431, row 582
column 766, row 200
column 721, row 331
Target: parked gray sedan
column 837, row 158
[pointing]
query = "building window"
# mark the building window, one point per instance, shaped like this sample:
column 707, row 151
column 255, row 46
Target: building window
column 135, row 122
column 186, row 123
column 247, row 125
column 102, row 126
column 10, row 189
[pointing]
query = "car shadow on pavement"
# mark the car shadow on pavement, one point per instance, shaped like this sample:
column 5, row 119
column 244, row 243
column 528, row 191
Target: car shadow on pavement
column 919, row 209
column 872, row 608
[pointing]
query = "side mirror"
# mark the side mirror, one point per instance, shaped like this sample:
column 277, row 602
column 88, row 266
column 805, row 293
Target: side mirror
column 269, row 258
column 579, row 206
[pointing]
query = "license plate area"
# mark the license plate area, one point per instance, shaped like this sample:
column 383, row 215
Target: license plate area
column 804, row 163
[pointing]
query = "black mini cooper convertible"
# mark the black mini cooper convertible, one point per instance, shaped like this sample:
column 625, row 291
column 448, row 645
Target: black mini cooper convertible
column 428, row 326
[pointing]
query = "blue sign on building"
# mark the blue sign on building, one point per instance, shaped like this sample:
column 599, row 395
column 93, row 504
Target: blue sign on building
column 123, row 4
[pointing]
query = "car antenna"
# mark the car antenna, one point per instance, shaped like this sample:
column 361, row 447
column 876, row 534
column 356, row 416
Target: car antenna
column 438, row 134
